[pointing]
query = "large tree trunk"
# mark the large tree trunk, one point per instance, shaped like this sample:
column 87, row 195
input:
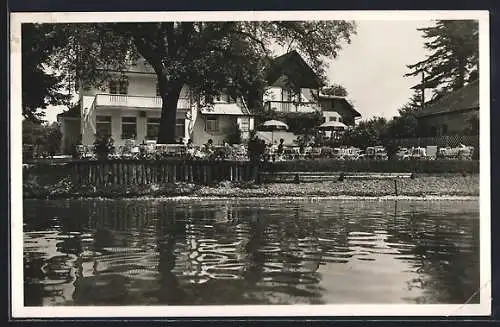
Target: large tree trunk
column 170, row 93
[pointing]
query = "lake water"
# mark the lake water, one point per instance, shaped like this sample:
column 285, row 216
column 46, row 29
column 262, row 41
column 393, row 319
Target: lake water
column 193, row 252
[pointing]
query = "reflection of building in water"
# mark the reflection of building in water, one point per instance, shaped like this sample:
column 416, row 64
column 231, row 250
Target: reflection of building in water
column 213, row 244
column 203, row 249
column 118, row 253
column 283, row 256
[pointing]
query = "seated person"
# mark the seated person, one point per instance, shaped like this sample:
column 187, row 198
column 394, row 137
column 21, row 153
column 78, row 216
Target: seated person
column 281, row 147
column 209, row 146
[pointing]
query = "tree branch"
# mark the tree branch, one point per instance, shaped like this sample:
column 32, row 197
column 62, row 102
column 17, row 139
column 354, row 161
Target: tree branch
column 252, row 37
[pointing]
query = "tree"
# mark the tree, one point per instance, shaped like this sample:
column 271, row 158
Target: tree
column 39, row 87
column 405, row 125
column 366, row 133
column 454, row 47
column 210, row 57
column 44, row 137
column 335, row 89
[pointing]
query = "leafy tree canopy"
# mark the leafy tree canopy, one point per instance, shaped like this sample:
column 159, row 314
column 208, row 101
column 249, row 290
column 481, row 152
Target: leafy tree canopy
column 209, row 56
column 405, row 125
column 336, row 90
column 366, row 133
column 39, row 87
column 46, row 137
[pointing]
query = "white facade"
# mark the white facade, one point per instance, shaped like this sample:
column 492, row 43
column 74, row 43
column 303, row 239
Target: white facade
column 131, row 109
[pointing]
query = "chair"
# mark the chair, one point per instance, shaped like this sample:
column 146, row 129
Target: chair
column 315, row 153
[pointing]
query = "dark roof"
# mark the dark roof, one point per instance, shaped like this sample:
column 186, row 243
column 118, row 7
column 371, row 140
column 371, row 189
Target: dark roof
column 462, row 99
column 343, row 100
column 72, row 112
column 293, row 66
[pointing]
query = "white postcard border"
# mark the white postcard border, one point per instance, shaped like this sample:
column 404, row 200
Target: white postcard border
column 16, row 219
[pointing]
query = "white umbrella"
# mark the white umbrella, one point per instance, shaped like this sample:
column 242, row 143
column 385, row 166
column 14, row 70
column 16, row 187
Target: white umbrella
column 274, row 125
column 332, row 126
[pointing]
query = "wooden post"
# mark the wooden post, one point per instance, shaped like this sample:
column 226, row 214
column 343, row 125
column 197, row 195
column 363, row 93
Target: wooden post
column 396, row 186
column 126, row 172
column 140, row 173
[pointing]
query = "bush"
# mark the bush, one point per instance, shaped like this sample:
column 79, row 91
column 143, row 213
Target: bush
column 384, row 166
column 234, row 136
column 103, row 147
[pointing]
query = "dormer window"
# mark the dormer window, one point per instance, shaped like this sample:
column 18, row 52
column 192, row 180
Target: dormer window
column 118, row 86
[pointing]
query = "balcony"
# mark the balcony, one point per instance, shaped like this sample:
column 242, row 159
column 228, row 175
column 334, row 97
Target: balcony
column 135, row 101
column 290, row 106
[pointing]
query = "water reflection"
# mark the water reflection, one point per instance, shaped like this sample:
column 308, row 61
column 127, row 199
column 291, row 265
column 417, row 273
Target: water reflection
column 133, row 252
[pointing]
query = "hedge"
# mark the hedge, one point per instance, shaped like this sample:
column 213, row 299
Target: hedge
column 394, row 166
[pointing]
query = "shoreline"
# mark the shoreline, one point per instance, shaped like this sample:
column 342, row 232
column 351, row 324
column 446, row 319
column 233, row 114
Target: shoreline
column 311, row 198
column 421, row 188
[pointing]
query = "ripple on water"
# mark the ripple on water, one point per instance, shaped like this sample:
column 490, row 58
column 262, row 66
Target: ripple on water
column 323, row 251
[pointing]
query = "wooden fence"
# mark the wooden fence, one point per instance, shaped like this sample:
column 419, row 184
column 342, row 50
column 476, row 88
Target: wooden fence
column 129, row 172
column 136, row 172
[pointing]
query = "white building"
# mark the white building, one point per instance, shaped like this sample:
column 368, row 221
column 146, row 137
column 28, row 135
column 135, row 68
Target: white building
column 293, row 87
column 128, row 107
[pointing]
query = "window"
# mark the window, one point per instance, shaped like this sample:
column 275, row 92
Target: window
column 118, row 86
column 153, row 128
column 333, row 118
column 129, row 127
column 103, row 125
column 244, row 124
column 224, row 97
column 286, row 95
column 179, row 127
column 212, row 124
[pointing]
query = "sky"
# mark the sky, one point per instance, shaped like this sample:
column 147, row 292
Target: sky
column 371, row 68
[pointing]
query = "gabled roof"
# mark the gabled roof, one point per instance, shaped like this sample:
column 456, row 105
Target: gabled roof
column 342, row 100
column 296, row 70
column 465, row 98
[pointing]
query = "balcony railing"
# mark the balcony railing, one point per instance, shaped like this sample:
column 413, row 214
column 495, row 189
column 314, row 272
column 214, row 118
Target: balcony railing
column 290, row 106
column 135, row 101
